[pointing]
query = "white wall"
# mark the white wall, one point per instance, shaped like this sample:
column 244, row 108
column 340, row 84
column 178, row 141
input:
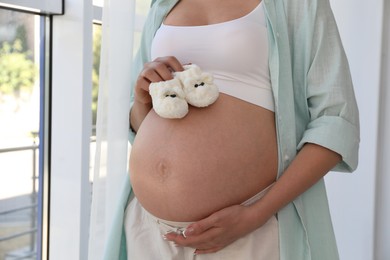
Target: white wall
column 352, row 196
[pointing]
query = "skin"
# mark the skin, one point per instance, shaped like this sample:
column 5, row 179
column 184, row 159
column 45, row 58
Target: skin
column 225, row 226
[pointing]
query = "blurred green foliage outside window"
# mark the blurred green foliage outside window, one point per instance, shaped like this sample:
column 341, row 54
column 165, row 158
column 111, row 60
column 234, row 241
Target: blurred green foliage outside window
column 17, row 68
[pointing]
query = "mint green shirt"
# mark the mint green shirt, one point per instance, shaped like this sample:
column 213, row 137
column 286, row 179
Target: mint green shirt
column 314, row 103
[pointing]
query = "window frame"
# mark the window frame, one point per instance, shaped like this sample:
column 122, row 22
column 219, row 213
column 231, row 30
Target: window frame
column 48, row 7
column 44, row 134
column 70, row 191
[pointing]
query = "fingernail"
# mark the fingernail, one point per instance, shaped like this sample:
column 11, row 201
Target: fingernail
column 164, row 237
column 189, row 231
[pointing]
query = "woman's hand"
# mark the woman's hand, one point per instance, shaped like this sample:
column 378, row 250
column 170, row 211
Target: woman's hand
column 217, row 231
column 158, row 70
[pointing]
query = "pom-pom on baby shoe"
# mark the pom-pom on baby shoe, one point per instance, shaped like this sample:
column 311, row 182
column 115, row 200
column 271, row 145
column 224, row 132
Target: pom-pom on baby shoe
column 198, row 86
column 168, row 98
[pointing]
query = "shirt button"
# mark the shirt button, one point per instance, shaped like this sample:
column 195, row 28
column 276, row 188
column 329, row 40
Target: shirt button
column 286, row 158
column 277, row 35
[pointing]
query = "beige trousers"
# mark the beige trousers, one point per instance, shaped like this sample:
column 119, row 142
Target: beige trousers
column 144, row 238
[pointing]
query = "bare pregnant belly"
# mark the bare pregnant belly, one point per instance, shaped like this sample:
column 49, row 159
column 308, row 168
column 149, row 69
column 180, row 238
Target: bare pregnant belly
column 186, row 169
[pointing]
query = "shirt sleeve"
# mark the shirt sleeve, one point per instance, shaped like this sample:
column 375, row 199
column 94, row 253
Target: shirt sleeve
column 334, row 117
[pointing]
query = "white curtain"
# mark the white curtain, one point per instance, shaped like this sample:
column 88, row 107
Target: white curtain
column 112, row 120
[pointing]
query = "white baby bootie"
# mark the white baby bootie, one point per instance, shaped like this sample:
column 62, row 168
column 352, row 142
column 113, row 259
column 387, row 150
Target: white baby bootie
column 198, row 86
column 168, row 98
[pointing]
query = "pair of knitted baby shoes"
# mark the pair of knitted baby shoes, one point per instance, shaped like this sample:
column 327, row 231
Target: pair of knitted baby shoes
column 192, row 86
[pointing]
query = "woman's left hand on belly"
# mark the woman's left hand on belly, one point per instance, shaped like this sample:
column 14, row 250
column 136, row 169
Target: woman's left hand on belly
column 217, row 231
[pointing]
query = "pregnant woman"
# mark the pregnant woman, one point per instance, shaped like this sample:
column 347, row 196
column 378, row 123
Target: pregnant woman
column 243, row 177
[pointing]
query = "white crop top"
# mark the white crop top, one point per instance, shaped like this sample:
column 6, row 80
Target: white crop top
column 235, row 52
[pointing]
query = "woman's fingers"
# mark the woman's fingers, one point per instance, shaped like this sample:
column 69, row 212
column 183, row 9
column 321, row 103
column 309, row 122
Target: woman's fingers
column 206, row 240
column 151, row 74
column 155, row 71
column 171, row 62
column 161, row 69
column 202, row 225
column 142, row 91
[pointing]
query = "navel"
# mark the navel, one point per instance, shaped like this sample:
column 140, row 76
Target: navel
column 163, row 170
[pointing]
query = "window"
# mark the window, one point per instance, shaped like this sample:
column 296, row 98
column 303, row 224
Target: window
column 25, row 161
column 22, row 118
